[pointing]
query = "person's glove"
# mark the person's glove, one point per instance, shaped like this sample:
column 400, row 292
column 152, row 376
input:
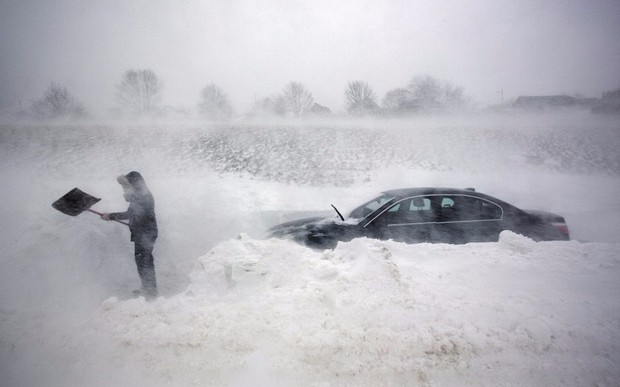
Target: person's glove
column 105, row 216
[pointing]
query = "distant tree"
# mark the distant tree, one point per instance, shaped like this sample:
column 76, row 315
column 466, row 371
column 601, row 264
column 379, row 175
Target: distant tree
column 214, row 103
column 612, row 95
column 360, row 98
column 454, row 96
column 364, row 107
column 297, row 98
column 57, row 102
column 270, row 106
column 398, row 101
column 433, row 94
column 277, row 105
column 139, row 91
column 425, row 89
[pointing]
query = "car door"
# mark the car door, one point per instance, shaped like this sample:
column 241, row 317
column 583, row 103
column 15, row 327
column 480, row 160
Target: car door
column 465, row 218
column 407, row 220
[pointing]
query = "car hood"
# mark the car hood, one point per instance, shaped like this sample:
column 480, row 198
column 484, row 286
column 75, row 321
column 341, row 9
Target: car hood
column 301, row 226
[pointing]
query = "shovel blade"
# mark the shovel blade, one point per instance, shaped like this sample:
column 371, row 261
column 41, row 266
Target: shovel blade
column 75, row 202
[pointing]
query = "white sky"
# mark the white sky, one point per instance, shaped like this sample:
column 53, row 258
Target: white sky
column 254, row 48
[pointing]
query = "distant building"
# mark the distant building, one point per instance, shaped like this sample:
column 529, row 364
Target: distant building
column 612, row 95
column 319, row 110
column 543, row 102
column 609, row 104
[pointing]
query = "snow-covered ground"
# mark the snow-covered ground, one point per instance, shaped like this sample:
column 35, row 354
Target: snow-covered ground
column 240, row 310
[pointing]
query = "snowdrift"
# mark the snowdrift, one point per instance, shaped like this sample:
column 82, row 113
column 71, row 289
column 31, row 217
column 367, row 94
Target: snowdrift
column 264, row 312
column 382, row 313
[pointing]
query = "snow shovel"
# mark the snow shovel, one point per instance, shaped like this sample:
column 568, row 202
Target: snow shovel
column 77, row 201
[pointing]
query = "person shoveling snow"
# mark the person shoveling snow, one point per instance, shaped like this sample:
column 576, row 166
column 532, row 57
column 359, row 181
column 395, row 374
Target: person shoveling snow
column 143, row 227
column 142, row 223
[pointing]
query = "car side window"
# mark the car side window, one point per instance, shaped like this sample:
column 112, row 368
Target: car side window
column 447, row 202
column 412, row 210
column 448, row 210
column 489, row 210
column 467, row 208
column 370, row 206
column 419, row 203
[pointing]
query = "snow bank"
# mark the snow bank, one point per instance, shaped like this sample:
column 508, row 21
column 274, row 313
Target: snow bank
column 269, row 312
column 255, row 312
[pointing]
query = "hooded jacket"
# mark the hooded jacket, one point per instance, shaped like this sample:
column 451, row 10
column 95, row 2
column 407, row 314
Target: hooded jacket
column 141, row 211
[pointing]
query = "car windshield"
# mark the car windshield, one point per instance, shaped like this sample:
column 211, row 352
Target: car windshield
column 369, row 207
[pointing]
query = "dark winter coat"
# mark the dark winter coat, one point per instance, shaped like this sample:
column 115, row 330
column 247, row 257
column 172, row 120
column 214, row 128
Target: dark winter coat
column 141, row 211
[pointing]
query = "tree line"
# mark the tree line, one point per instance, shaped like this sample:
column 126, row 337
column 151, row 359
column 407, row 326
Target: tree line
column 139, row 93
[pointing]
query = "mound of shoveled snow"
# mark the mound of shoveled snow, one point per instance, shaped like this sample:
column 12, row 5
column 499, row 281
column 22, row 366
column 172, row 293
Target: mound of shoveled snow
column 270, row 312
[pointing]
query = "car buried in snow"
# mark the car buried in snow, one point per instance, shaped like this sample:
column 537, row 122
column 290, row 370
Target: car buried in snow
column 433, row 215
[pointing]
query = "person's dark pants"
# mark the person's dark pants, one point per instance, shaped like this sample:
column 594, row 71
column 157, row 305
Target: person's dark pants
column 146, row 266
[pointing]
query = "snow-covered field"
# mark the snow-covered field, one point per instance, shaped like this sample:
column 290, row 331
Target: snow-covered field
column 240, row 310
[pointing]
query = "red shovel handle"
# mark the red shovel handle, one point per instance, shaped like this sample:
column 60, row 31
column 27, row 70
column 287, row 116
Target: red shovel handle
column 100, row 213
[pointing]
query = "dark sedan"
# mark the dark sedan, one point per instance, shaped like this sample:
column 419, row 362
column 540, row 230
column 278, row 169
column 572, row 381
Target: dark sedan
column 436, row 215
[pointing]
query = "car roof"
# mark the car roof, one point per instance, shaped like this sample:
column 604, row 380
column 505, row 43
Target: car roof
column 405, row 192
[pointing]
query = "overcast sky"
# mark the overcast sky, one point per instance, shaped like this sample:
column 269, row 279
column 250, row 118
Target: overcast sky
column 252, row 49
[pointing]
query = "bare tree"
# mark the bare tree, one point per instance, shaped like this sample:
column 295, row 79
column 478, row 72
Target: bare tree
column 270, row 106
column 431, row 93
column 139, row 91
column 397, row 100
column 57, row 102
column 297, row 98
column 425, row 89
column 214, row 103
column 454, row 96
column 358, row 91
